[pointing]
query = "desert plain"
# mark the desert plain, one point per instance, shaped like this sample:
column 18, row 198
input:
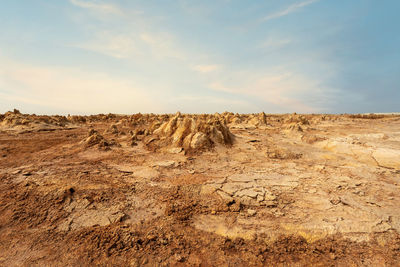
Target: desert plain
column 200, row 190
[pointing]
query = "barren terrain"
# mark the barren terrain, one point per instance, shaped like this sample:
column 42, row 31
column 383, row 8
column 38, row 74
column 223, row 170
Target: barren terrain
column 199, row 190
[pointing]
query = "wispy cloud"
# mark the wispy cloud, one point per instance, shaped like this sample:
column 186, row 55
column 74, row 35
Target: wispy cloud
column 97, row 7
column 288, row 10
column 135, row 36
column 71, row 90
column 114, row 45
column 125, row 45
column 287, row 91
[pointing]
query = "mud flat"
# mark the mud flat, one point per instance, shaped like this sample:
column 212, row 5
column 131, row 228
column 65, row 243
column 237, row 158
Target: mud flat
column 200, row 190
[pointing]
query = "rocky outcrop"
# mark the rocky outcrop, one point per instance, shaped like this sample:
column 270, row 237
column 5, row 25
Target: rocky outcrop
column 191, row 133
column 95, row 139
column 15, row 120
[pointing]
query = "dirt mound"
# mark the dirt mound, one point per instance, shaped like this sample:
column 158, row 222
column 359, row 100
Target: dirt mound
column 191, row 132
column 96, row 139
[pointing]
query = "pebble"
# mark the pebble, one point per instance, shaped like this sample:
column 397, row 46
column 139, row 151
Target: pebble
column 251, row 212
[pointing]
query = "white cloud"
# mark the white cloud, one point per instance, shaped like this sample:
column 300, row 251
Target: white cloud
column 206, row 68
column 288, row 10
column 126, row 36
column 97, row 7
column 125, row 45
column 73, row 90
column 287, row 91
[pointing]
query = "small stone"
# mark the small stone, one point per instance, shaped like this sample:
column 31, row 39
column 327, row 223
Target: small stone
column 175, row 150
column 225, row 196
column 232, row 188
column 179, row 258
column 235, row 206
column 251, row 212
column 335, row 201
column 133, row 143
column 260, row 198
column 269, row 196
column 117, row 217
column 16, row 172
column 319, row 167
column 247, row 192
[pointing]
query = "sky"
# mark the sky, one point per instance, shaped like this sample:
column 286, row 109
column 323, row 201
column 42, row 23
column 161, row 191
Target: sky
column 130, row 56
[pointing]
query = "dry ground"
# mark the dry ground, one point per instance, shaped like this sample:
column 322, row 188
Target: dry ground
column 321, row 190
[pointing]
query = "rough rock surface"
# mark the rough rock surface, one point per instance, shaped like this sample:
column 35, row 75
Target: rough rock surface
column 192, row 133
column 16, row 121
column 96, row 139
column 324, row 196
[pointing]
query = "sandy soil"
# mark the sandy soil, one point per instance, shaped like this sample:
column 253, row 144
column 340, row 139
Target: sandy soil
column 298, row 190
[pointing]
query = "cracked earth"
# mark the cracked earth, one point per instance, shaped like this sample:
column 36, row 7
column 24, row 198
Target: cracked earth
column 288, row 190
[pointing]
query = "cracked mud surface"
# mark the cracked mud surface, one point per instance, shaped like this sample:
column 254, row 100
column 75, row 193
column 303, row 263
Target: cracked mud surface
column 315, row 190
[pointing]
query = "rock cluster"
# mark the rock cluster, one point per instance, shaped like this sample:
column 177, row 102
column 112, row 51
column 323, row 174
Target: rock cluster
column 254, row 120
column 96, row 139
column 15, row 119
column 293, row 128
column 77, row 119
column 191, row 132
column 298, row 119
column 295, row 124
column 115, row 130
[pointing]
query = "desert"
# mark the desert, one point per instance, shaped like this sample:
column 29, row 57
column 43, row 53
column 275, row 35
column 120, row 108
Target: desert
column 219, row 189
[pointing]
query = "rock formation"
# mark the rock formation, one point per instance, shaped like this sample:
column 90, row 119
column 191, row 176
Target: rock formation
column 191, row 132
column 96, row 139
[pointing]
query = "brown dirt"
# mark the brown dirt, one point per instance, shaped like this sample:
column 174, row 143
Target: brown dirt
column 64, row 203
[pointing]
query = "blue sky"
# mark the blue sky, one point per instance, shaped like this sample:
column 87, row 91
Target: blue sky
column 128, row 56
